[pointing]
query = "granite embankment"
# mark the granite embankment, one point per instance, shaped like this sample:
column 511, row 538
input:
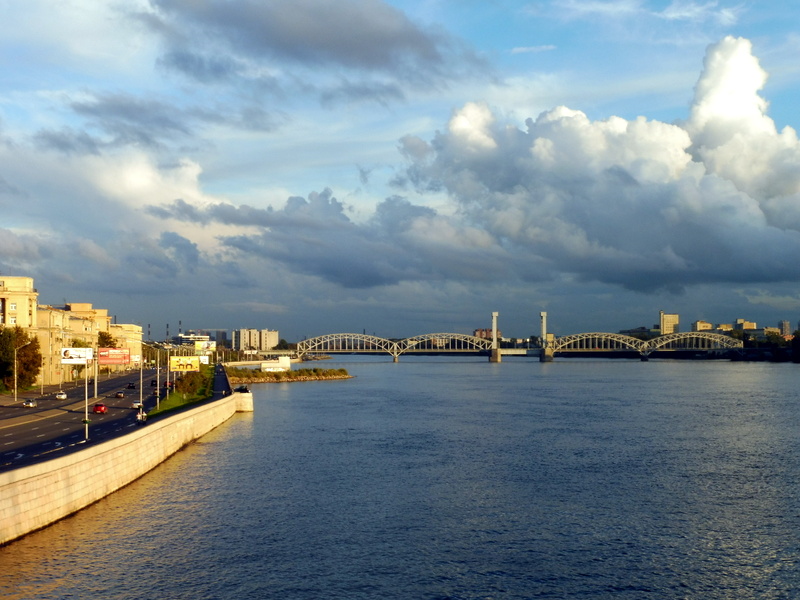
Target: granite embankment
column 36, row 496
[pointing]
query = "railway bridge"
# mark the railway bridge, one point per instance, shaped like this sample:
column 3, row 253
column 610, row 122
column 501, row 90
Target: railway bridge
column 457, row 343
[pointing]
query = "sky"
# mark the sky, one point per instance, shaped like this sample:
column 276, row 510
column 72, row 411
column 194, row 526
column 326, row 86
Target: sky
column 403, row 167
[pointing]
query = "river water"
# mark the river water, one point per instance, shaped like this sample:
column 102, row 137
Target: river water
column 455, row 478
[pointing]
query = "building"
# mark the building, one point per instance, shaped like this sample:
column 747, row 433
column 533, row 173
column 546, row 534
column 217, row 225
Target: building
column 742, row 324
column 668, row 323
column 486, row 334
column 785, row 328
column 18, row 302
column 702, row 326
column 260, row 340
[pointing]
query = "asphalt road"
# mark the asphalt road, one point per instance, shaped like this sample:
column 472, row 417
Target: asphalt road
column 55, row 427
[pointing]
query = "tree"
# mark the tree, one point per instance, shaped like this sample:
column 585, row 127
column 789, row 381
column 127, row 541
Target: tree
column 29, row 357
column 106, row 340
column 282, row 345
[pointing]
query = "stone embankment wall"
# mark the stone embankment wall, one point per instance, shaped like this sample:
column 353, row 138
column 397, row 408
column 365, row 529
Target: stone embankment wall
column 36, row 496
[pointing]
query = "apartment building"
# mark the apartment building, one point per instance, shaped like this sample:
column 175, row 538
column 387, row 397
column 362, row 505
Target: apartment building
column 59, row 327
column 18, row 301
column 668, row 323
column 261, row 340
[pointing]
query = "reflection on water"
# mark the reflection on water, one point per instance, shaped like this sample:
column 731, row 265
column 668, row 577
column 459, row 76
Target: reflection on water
column 458, row 478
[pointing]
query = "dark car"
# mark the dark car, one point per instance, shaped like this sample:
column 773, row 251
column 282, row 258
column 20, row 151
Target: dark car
column 153, row 383
column 131, row 386
column 100, row 408
column 30, row 404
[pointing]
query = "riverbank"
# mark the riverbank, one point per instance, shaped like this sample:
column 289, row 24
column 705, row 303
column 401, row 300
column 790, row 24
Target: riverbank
column 246, row 376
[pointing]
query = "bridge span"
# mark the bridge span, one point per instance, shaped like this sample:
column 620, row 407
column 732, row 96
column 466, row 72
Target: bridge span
column 454, row 343
column 429, row 343
column 699, row 341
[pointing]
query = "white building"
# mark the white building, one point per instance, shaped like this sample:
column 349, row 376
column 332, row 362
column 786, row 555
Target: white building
column 254, row 339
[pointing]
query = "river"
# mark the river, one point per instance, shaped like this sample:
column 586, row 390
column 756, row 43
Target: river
column 455, row 478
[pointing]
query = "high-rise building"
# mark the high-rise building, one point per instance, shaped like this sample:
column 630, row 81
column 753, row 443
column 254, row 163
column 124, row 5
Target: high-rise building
column 254, row 339
column 785, row 327
column 668, row 323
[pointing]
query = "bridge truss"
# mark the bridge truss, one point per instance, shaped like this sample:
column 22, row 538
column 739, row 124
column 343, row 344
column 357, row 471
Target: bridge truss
column 616, row 342
column 357, row 343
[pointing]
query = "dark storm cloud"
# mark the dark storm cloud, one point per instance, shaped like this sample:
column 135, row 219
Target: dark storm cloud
column 131, row 120
column 401, row 242
column 208, row 41
column 183, row 251
column 67, row 141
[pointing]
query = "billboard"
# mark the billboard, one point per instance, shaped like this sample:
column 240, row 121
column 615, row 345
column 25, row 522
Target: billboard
column 76, row 356
column 184, row 363
column 203, row 347
column 113, row 356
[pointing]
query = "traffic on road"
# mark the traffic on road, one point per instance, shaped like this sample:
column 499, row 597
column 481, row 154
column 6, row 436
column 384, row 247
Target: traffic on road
column 36, row 428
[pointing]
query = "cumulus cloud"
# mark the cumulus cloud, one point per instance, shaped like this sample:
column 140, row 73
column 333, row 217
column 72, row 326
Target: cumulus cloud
column 642, row 204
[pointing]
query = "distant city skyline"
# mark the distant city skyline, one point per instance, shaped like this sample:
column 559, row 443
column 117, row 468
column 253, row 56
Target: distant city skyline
column 403, row 167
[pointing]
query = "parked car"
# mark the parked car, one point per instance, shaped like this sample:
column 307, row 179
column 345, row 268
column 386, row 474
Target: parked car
column 100, row 408
column 61, row 395
column 119, row 395
column 30, row 403
column 137, row 404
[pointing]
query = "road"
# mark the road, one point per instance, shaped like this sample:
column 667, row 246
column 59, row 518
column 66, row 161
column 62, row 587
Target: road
column 55, row 427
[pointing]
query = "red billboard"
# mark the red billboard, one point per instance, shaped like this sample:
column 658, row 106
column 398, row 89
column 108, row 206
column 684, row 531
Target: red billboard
column 113, row 356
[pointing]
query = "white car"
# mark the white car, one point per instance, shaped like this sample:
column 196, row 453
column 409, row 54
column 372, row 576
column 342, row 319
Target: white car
column 137, row 404
column 61, row 395
column 29, row 404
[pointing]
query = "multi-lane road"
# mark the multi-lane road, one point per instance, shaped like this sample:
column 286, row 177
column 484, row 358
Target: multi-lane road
column 55, row 427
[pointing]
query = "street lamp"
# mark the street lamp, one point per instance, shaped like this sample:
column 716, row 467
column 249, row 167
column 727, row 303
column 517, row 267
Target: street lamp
column 15, row 366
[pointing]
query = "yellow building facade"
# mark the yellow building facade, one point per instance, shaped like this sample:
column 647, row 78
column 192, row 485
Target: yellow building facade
column 62, row 327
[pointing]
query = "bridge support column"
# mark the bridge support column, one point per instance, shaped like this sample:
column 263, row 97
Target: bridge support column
column 495, row 356
column 395, row 358
column 546, row 355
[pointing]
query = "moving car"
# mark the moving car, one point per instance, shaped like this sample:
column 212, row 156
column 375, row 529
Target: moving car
column 137, row 404
column 61, row 395
column 29, row 403
column 119, row 395
column 131, row 386
column 100, row 408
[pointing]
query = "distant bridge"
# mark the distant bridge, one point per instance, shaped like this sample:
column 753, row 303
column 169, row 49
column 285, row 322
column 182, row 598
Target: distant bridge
column 447, row 343
column 357, row 343
column 617, row 342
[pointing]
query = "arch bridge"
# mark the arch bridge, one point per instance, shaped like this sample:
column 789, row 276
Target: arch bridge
column 616, row 342
column 357, row 343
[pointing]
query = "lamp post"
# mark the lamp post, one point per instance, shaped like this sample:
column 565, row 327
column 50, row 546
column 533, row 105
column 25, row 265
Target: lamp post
column 15, row 367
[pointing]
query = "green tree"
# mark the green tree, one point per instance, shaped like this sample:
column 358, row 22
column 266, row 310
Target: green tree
column 106, row 340
column 282, row 345
column 29, row 357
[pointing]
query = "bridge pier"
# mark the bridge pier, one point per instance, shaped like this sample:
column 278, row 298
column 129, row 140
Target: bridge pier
column 495, row 356
column 546, row 355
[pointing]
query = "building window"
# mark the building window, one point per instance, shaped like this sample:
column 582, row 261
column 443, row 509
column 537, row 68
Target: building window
column 12, row 306
column 12, row 320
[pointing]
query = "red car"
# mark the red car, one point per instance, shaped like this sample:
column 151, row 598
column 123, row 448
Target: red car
column 100, row 408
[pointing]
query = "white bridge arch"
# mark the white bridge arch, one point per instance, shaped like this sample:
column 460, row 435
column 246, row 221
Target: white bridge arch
column 615, row 342
column 352, row 343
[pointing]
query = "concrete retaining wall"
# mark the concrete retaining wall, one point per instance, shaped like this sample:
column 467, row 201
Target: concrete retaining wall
column 36, row 496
